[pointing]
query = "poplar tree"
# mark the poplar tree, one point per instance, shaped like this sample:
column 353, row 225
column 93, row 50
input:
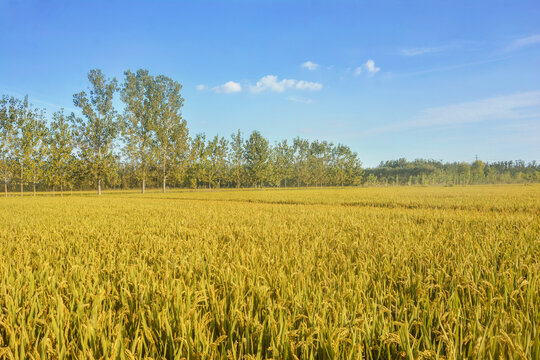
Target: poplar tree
column 22, row 146
column 257, row 153
column 61, row 145
column 171, row 131
column 237, row 158
column 198, row 158
column 29, row 143
column 345, row 166
column 8, row 135
column 216, row 163
column 34, row 134
column 283, row 162
column 301, row 154
column 97, row 130
column 141, row 109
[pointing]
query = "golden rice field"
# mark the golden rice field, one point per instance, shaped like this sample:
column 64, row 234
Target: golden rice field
column 376, row 273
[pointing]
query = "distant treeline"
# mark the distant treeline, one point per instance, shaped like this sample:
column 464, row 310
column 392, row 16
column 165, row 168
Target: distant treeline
column 425, row 172
column 149, row 144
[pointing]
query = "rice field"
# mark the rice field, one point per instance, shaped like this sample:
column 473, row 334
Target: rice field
column 351, row 273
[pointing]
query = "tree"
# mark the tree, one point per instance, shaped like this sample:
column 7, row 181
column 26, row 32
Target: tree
column 301, row 154
column 29, row 142
column 97, row 131
column 198, row 158
column 283, row 162
column 371, row 180
column 345, row 165
column 237, row 158
column 61, row 145
column 34, row 138
column 8, row 133
column 464, row 173
column 319, row 156
column 477, row 171
column 216, row 151
column 21, row 145
column 257, row 153
column 140, row 113
column 171, row 129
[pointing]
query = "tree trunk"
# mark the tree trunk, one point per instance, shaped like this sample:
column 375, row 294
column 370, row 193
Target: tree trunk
column 143, row 186
column 99, row 180
column 164, row 173
column 62, row 190
column 34, row 188
column 5, row 188
column 22, row 185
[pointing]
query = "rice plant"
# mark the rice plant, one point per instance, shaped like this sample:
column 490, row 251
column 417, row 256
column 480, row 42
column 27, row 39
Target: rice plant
column 358, row 273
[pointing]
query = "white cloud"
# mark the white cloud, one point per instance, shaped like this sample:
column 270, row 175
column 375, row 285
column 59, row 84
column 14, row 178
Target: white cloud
column 308, row 85
column 368, row 66
column 201, row 87
column 529, row 40
column 525, row 105
column 272, row 83
column 422, row 50
column 228, row 88
column 310, row 65
column 300, row 100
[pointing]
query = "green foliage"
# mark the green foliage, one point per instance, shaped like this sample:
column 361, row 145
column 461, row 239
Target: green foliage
column 34, row 137
column 8, row 137
column 425, row 172
column 257, row 156
column 171, row 128
column 139, row 122
column 237, row 159
column 62, row 166
column 97, row 131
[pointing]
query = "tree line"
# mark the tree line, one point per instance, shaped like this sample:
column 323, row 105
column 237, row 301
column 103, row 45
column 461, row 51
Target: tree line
column 427, row 172
column 148, row 144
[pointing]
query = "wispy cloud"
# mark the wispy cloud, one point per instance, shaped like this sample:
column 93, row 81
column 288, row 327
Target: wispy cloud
column 300, row 100
column 522, row 42
column 310, row 65
column 369, row 67
column 422, row 50
column 272, row 83
column 525, row 105
column 450, row 67
column 229, row 87
column 201, row 87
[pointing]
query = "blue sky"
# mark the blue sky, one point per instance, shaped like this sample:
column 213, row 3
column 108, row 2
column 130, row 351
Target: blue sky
column 443, row 80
